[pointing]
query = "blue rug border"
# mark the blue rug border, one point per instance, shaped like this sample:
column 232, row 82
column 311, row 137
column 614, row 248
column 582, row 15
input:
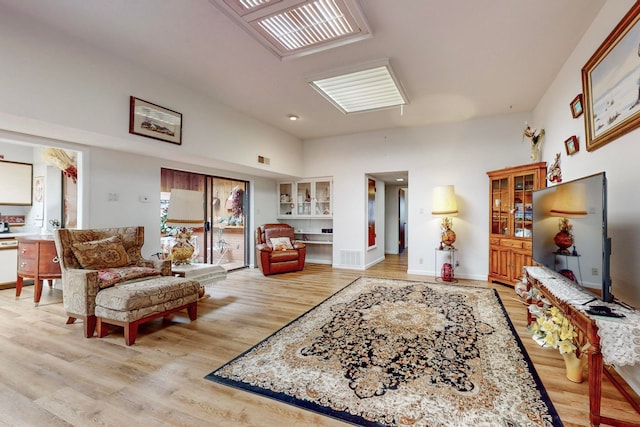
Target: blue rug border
column 355, row 419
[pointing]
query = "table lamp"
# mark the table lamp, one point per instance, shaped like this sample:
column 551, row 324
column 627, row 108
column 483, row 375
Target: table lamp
column 444, row 205
column 569, row 201
column 186, row 212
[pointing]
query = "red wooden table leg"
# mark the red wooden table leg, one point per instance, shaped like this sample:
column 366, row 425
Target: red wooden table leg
column 37, row 290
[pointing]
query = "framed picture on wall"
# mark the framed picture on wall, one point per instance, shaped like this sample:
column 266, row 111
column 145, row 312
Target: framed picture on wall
column 576, row 106
column 154, row 121
column 571, row 145
column 611, row 84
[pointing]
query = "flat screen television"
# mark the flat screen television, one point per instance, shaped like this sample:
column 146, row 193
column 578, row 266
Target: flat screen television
column 582, row 203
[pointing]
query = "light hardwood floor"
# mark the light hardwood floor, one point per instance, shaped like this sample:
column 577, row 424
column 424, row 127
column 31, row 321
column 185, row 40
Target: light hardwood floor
column 51, row 376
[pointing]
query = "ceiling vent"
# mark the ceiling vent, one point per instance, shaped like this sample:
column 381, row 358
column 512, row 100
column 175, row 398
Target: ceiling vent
column 293, row 28
column 365, row 87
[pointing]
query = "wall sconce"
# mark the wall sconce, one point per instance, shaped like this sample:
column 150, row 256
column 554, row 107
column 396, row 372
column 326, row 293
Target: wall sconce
column 444, row 205
column 569, row 201
column 184, row 214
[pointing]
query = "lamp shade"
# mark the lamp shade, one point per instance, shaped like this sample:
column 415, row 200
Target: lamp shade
column 444, row 201
column 570, row 201
column 185, row 209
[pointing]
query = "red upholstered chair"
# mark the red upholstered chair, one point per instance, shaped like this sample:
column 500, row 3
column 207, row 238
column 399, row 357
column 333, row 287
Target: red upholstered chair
column 278, row 251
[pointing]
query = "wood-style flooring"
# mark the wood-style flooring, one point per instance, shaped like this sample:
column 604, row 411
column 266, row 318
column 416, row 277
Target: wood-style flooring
column 50, row 375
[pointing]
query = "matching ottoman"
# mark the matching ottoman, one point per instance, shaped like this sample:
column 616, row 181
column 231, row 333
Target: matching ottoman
column 130, row 304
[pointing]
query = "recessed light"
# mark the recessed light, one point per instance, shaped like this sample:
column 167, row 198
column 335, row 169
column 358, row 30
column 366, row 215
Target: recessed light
column 400, row 179
column 293, row 117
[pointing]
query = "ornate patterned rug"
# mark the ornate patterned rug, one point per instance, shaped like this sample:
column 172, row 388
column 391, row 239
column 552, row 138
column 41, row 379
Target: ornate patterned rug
column 384, row 352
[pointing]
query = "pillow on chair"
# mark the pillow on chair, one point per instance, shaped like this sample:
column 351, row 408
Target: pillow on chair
column 99, row 254
column 281, row 243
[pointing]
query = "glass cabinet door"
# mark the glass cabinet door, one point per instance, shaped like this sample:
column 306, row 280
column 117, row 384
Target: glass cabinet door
column 322, row 198
column 500, row 206
column 286, row 204
column 523, row 186
column 303, row 200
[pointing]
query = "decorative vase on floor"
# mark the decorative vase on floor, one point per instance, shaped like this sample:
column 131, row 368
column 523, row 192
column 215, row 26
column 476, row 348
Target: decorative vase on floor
column 574, row 366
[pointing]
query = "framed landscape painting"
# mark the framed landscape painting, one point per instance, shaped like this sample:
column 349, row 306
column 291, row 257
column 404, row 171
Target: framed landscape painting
column 611, row 84
column 154, row 121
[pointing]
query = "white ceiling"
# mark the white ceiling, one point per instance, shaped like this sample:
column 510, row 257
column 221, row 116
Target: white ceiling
column 457, row 59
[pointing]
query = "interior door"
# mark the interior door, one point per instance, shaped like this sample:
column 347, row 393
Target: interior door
column 402, row 223
column 371, row 217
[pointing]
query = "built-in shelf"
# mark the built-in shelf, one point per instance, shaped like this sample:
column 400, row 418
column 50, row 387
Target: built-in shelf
column 319, row 245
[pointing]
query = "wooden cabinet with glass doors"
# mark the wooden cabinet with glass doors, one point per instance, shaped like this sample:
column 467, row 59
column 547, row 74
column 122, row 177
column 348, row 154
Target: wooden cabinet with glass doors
column 510, row 218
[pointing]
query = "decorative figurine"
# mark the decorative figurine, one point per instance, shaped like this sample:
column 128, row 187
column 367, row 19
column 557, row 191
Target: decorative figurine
column 535, row 135
column 555, row 173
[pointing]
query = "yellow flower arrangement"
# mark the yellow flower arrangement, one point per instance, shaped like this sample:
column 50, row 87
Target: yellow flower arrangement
column 552, row 329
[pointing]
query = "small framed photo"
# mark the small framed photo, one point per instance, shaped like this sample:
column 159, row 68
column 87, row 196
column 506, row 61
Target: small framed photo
column 571, row 145
column 154, row 121
column 576, row 106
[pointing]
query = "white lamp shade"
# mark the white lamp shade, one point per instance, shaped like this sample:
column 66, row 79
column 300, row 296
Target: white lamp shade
column 185, row 209
column 444, row 201
column 570, row 200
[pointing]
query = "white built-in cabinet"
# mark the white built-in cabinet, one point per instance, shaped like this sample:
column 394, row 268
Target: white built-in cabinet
column 307, row 205
column 307, row 198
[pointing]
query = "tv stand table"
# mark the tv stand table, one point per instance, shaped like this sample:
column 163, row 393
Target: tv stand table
column 602, row 333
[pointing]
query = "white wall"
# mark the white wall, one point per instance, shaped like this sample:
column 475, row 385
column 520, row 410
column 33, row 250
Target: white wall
column 131, row 176
column 61, row 88
column 617, row 158
column 458, row 154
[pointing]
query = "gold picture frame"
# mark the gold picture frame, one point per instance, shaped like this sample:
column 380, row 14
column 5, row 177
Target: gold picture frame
column 610, row 81
column 154, row 121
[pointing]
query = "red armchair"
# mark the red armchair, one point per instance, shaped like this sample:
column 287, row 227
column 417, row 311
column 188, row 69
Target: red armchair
column 278, row 251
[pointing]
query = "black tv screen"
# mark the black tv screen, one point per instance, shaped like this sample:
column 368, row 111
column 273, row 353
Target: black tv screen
column 583, row 204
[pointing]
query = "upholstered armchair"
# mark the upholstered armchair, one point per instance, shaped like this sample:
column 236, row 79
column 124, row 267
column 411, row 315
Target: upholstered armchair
column 278, row 251
column 94, row 259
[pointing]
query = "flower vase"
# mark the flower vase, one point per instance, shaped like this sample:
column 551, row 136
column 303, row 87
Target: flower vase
column 574, row 366
column 535, row 152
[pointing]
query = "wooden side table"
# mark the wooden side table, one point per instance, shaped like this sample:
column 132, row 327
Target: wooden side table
column 37, row 260
column 587, row 332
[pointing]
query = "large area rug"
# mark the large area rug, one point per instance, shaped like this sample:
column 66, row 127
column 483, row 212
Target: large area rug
column 394, row 352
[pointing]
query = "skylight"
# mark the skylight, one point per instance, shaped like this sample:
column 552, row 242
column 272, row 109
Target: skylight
column 369, row 87
column 296, row 28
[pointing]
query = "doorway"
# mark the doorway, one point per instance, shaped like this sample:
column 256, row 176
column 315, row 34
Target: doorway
column 224, row 239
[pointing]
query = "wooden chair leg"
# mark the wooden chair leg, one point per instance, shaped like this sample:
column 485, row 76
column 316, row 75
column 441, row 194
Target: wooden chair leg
column 130, row 333
column 89, row 326
column 103, row 328
column 192, row 309
column 71, row 320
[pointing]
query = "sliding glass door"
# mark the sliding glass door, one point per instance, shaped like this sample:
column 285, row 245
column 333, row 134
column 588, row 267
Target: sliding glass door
column 224, row 240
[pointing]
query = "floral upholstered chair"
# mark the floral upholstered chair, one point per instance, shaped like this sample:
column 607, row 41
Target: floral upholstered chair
column 96, row 259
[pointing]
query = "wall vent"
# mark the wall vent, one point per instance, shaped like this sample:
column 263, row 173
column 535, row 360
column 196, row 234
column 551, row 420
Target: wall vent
column 264, row 160
column 351, row 258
